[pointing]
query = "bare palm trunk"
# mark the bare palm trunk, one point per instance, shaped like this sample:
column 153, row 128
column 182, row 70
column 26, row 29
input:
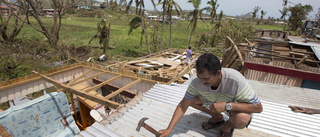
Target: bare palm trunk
column 163, row 13
column 191, row 36
column 144, row 27
column 170, row 27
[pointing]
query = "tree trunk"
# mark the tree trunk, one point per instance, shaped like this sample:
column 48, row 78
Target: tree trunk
column 163, row 13
column 144, row 27
column 170, row 26
column 190, row 36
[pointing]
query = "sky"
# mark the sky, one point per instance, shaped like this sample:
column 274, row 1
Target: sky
column 241, row 7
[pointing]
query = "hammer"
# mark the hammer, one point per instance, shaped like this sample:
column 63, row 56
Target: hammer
column 146, row 126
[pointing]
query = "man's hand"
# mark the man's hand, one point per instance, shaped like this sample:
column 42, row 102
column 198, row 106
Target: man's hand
column 218, row 107
column 165, row 132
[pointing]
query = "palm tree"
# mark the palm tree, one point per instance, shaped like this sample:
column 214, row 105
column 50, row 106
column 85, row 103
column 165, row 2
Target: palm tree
column 284, row 13
column 178, row 10
column 219, row 23
column 134, row 23
column 262, row 14
column 195, row 14
column 141, row 4
column 212, row 8
column 103, row 34
column 163, row 13
column 137, row 5
column 255, row 11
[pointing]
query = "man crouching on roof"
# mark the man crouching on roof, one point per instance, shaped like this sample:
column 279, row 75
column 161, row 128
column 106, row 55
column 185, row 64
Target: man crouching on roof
column 217, row 90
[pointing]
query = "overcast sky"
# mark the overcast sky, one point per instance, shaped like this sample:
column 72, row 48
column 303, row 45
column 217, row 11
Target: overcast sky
column 241, row 7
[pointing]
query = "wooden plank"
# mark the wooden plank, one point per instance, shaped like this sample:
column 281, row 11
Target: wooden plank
column 103, row 83
column 285, row 57
column 75, row 79
column 84, row 74
column 187, row 69
column 229, row 56
column 168, row 62
column 4, row 132
column 303, row 59
column 114, row 88
column 98, row 99
column 134, row 77
column 122, row 89
column 282, row 71
column 87, row 78
column 89, row 103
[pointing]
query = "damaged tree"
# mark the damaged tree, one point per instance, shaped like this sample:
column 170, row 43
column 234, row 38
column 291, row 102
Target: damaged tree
column 103, row 34
column 31, row 8
column 8, row 35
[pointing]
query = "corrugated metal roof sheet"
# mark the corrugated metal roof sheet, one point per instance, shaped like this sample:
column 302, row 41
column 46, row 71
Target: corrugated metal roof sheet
column 159, row 103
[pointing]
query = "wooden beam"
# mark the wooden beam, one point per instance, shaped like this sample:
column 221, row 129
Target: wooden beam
column 303, row 59
column 122, row 89
column 114, row 88
column 250, row 44
column 115, row 73
column 282, row 71
column 4, row 132
column 75, row 79
column 87, row 78
column 103, row 83
column 290, row 58
column 84, row 74
column 292, row 54
column 229, row 56
column 98, row 99
column 181, row 74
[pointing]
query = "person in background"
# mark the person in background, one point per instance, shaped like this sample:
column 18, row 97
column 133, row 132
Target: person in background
column 217, row 90
column 189, row 54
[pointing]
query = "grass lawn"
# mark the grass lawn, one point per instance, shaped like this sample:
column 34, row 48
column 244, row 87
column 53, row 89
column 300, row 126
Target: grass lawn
column 77, row 31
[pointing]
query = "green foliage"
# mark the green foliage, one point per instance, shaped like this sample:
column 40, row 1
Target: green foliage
column 11, row 67
column 298, row 13
column 103, row 34
column 134, row 23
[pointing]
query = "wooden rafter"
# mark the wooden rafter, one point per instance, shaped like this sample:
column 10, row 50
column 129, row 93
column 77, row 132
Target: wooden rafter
column 147, row 80
column 114, row 88
column 186, row 69
column 74, row 80
column 103, row 83
column 122, row 89
column 87, row 78
column 84, row 74
column 280, row 56
column 98, row 99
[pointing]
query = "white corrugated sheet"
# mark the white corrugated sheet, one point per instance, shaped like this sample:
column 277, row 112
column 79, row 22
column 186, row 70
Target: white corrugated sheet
column 159, row 103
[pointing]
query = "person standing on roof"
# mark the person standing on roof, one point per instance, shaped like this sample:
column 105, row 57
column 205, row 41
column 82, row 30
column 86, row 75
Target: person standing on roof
column 217, row 90
column 189, row 54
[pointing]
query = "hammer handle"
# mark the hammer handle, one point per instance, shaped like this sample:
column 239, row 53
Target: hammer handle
column 152, row 130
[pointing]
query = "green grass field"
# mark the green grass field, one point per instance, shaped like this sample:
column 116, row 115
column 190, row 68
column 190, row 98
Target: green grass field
column 77, row 31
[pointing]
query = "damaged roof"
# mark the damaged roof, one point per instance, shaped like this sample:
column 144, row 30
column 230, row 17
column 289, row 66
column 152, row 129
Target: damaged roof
column 159, row 103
